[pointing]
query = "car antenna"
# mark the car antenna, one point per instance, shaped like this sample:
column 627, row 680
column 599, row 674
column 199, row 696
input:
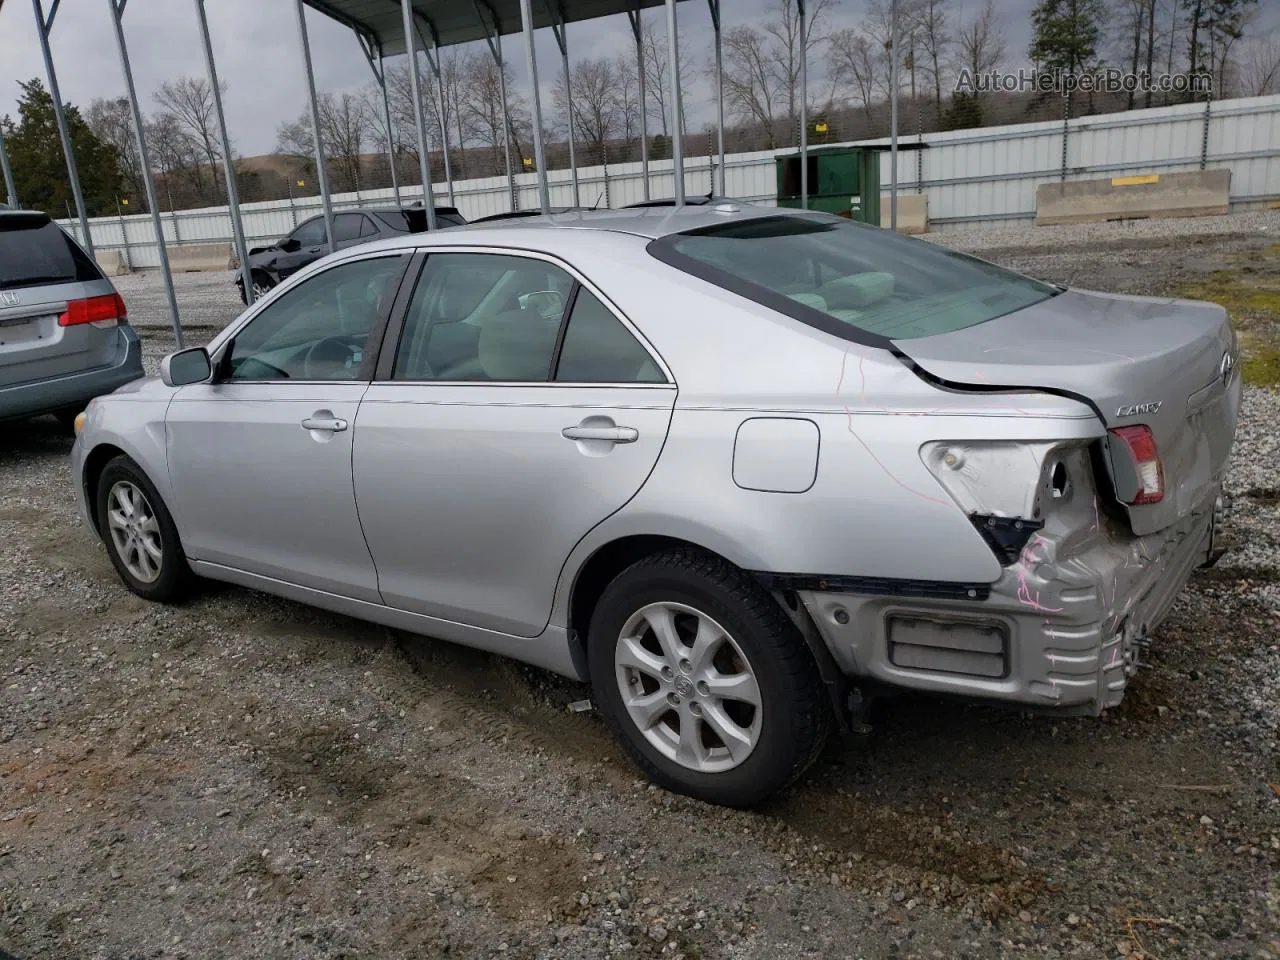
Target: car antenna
column 596, row 205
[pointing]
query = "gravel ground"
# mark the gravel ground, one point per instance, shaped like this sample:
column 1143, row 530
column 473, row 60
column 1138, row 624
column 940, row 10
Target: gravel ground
column 245, row 777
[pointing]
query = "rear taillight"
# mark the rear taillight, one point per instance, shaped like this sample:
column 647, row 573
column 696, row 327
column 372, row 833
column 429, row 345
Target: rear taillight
column 100, row 311
column 1147, row 467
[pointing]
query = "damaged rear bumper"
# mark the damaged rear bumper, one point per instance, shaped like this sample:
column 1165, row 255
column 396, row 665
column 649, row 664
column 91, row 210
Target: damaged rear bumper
column 1061, row 629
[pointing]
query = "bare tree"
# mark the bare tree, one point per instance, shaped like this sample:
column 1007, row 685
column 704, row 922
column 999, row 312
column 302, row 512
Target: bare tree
column 190, row 101
column 598, row 111
column 657, row 71
column 749, row 87
column 345, row 126
column 762, row 67
column 1260, row 65
column 624, row 68
column 930, row 26
column 439, row 117
column 788, row 47
column 857, row 63
column 980, row 43
column 176, row 157
column 111, row 121
column 481, row 108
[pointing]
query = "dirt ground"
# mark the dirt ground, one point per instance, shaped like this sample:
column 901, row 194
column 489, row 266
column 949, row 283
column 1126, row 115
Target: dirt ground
column 245, row 777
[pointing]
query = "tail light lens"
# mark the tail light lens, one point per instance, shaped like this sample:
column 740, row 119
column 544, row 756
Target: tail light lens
column 103, row 311
column 1148, row 468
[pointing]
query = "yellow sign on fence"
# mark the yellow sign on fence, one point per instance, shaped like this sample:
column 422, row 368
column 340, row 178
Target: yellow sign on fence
column 1134, row 181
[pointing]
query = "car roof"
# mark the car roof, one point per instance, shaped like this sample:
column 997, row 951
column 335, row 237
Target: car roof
column 649, row 223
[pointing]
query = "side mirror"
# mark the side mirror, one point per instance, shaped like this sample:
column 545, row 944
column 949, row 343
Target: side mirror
column 290, row 245
column 547, row 303
column 186, row 366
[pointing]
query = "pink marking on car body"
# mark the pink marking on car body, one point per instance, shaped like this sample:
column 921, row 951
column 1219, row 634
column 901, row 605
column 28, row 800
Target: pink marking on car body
column 1026, row 598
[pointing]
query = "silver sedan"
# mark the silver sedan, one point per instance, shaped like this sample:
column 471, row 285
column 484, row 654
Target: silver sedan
column 741, row 469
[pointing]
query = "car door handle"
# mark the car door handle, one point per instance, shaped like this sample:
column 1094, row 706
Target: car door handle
column 612, row 434
column 331, row 424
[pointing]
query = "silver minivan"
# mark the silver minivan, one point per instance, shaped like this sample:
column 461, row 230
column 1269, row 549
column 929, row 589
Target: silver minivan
column 64, row 333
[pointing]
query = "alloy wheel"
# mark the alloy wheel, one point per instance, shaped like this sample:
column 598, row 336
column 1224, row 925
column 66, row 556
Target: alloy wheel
column 134, row 530
column 688, row 687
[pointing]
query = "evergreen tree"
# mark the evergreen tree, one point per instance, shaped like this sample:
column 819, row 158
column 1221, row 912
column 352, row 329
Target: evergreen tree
column 39, row 167
column 1066, row 34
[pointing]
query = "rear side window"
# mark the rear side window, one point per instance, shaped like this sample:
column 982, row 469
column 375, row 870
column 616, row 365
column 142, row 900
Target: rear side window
column 859, row 282
column 597, row 348
column 35, row 251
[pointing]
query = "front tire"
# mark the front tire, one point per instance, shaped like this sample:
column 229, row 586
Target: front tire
column 262, row 285
column 140, row 535
column 704, row 681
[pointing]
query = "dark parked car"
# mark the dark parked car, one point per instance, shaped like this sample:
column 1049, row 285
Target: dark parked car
column 64, row 336
column 306, row 243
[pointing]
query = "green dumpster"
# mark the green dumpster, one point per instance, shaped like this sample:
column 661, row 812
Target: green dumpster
column 842, row 180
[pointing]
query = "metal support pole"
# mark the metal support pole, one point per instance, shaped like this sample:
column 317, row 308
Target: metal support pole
column 562, row 41
column 893, row 115
column 10, row 191
column 637, row 28
column 371, row 48
column 415, row 82
column 526, row 23
column 677, row 105
column 804, row 107
column 433, row 61
column 715, row 26
column 506, row 126
column 228, row 165
column 144, row 161
column 322, row 171
column 494, row 39
column 43, row 27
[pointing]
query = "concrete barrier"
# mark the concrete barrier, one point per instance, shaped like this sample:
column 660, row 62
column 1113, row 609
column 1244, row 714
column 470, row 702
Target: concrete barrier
column 112, row 262
column 1199, row 193
column 913, row 212
column 200, row 257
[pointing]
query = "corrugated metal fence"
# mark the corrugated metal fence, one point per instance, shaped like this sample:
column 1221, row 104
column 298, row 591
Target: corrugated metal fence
column 970, row 176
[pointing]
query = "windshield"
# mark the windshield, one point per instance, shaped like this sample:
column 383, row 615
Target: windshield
column 34, row 251
column 854, row 280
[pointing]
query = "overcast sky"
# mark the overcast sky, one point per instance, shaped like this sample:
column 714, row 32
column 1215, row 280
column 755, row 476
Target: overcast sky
column 257, row 49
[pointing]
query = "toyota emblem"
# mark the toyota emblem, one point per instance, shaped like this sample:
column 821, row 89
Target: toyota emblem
column 1228, row 364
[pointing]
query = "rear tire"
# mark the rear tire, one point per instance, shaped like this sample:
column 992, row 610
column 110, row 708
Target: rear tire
column 140, row 535
column 683, row 709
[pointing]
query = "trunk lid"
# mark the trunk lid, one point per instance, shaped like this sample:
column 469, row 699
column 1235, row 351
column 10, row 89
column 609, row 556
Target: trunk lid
column 1169, row 364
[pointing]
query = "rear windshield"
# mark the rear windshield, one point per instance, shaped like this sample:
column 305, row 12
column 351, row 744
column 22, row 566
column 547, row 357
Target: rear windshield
column 415, row 220
column 35, row 251
column 860, row 282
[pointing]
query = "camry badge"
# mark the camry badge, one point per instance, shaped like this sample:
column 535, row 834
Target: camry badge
column 9, row 299
column 1135, row 409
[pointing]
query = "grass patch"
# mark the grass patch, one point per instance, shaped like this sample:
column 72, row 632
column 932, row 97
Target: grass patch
column 1260, row 356
column 1249, row 291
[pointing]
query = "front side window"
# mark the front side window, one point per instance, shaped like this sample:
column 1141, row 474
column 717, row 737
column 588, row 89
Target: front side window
column 311, row 233
column 320, row 329
column 859, row 282
column 483, row 317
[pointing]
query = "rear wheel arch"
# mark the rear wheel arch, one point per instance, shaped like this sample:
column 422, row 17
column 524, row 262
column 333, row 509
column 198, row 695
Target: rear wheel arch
column 597, row 572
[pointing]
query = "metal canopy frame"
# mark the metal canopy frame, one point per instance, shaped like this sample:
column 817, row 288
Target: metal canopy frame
column 397, row 27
